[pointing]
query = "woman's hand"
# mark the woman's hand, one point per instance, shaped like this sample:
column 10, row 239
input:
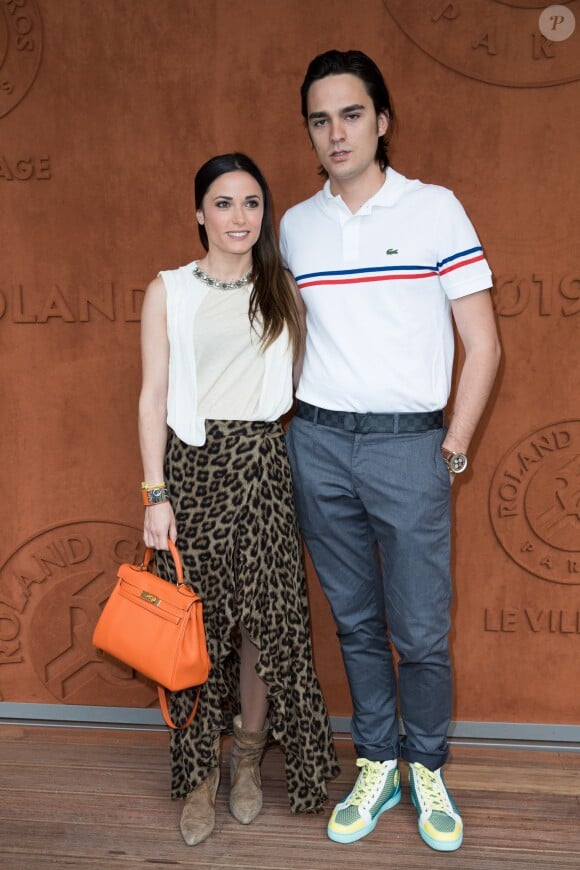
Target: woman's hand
column 159, row 525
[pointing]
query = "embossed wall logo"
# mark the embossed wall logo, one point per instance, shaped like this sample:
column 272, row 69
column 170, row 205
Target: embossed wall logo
column 535, row 502
column 20, row 50
column 495, row 41
column 52, row 590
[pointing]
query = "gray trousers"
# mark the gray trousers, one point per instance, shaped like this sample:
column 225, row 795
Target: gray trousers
column 374, row 510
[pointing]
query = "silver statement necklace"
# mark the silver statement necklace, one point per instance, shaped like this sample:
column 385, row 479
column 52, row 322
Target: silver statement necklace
column 221, row 285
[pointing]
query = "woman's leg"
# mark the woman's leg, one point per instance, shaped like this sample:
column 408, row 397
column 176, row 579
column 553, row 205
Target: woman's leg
column 250, row 736
column 253, row 690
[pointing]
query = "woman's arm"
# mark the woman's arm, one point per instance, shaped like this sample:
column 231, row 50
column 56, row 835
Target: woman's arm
column 159, row 519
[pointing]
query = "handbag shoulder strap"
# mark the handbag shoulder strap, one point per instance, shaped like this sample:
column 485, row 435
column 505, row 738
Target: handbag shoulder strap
column 165, row 710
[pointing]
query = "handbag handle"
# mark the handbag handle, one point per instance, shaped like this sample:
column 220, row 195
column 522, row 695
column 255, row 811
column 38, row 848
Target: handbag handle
column 166, row 714
column 176, row 559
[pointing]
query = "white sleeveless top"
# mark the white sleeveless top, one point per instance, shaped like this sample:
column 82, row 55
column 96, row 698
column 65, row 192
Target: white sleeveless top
column 189, row 395
column 228, row 357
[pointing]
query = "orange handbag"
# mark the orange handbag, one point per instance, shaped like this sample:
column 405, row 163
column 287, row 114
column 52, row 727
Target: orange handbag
column 156, row 627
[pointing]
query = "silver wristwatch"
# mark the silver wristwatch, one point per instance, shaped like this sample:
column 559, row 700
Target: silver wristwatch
column 456, row 462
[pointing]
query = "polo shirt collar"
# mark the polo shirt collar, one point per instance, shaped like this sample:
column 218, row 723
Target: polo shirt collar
column 387, row 195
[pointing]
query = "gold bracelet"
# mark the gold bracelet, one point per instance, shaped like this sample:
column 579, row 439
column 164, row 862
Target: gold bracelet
column 148, row 486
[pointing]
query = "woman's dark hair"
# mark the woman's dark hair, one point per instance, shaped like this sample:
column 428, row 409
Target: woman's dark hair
column 334, row 63
column 272, row 294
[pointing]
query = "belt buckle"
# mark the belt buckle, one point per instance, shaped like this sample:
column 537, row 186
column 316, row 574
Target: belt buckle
column 364, row 424
column 349, row 422
column 357, row 423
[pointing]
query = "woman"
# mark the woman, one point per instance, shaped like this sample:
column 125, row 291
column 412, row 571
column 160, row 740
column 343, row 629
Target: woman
column 218, row 340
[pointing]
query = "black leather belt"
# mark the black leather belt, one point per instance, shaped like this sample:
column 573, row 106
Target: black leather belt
column 365, row 423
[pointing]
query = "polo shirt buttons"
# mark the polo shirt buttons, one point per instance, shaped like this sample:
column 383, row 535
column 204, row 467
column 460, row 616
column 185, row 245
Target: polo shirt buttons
column 351, row 239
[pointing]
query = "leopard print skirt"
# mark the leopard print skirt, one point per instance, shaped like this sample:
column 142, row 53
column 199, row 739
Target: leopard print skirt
column 238, row 539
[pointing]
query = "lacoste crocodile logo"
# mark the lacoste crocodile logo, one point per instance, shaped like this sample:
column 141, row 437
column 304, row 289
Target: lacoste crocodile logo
column 392, row 251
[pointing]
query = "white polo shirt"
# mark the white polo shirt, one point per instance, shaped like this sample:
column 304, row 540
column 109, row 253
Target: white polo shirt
column 377, row 287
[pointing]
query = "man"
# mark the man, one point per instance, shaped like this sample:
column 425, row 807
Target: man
column 383, row 264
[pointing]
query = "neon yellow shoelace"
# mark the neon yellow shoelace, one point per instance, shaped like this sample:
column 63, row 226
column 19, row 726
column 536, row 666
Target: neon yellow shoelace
column 371, row 771
column 432, row 790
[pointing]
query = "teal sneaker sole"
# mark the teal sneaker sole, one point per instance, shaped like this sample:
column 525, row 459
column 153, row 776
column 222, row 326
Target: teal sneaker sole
column 446, row 846
column 362, row 832
column 438, row 845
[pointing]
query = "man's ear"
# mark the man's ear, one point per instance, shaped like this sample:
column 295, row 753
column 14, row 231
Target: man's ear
column 382, row 123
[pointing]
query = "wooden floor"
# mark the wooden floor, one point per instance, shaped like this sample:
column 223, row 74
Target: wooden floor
column 98, row 799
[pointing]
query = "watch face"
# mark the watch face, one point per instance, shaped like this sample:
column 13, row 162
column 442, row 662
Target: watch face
column 458, row 463
column 156, row 496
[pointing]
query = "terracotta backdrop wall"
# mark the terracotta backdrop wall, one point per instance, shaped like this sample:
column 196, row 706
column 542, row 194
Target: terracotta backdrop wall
column 106, row 109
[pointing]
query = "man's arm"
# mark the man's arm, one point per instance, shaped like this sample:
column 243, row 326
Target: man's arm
column 474, row 317
column 299, row 352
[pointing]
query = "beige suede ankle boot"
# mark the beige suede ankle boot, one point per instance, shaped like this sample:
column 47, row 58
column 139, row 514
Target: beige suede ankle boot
column 245, row 780
column 198, row 816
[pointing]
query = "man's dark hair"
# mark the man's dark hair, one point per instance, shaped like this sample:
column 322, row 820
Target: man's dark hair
column 333, row 63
